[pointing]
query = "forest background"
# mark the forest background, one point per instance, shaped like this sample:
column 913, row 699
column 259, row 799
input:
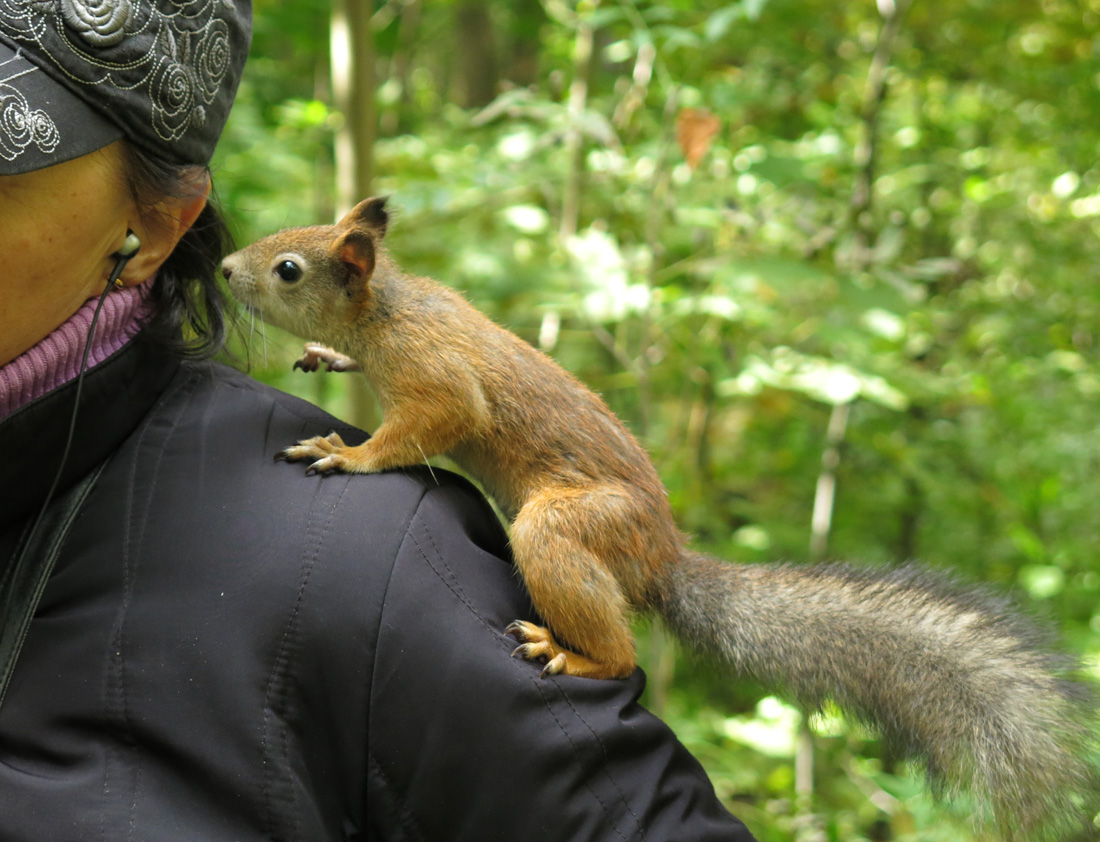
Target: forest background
column 834, row 263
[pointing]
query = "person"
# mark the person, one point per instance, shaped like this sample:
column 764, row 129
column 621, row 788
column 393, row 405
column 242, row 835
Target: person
column 196, row 640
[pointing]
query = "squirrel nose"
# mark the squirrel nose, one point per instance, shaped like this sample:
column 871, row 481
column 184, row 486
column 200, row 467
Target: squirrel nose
column 226, row 270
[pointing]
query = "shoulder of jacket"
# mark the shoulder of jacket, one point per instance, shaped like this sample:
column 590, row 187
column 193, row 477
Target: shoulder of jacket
column 232, row 426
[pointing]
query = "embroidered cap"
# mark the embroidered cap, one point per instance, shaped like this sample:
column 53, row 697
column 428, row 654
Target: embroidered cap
column 76, row 75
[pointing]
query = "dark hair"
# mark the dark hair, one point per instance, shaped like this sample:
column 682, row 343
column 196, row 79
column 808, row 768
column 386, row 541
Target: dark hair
column 190, row 315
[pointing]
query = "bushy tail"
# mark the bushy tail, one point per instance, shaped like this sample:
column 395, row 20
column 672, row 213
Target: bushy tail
column 952, row 676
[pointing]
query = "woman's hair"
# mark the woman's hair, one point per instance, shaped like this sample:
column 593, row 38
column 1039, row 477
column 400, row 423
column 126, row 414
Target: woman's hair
column 189, row 317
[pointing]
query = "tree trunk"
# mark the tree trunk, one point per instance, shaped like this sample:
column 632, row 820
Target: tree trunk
column 529, row 17
column 476, row 55
column 353, row 84
column 583, row 49
column 393, row 121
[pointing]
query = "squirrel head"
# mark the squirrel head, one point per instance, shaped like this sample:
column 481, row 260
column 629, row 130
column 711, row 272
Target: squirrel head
column 309, row 280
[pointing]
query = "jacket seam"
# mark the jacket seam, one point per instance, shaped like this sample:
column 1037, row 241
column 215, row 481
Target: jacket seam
column 405, row 816
column 456, row 589
column 274, row 735
column 371, row 760
column 115, row 693
column 248, row 385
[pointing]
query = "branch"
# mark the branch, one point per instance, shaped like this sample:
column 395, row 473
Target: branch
column 874, row 95
column 578, row 101
column 825, row 493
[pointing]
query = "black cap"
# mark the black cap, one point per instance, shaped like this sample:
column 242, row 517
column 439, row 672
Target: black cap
column 76, row 75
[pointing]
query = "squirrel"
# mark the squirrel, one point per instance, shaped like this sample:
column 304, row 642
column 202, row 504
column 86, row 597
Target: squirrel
column 952, row 675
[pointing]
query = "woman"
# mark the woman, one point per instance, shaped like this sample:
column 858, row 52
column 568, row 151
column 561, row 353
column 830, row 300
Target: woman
column 198, row 642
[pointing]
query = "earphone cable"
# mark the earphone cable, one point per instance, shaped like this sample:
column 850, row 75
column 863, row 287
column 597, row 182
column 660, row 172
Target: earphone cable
column 29, row 541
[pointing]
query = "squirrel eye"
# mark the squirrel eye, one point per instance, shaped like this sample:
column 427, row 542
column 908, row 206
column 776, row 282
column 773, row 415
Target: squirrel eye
column 289, row 271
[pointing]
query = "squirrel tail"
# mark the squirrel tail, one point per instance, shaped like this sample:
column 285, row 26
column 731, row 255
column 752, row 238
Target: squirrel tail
column 952, row 676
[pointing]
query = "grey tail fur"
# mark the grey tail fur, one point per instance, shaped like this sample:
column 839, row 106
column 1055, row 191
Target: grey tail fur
column 952, row 676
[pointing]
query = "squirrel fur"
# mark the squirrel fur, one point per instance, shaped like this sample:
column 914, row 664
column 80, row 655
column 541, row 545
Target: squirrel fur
column 952, row 675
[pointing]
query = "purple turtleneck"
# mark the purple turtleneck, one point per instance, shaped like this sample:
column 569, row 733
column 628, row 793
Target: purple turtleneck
column 56, row 359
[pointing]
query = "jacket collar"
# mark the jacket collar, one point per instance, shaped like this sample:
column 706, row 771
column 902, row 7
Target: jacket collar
column 116, row 395
column 57, row 357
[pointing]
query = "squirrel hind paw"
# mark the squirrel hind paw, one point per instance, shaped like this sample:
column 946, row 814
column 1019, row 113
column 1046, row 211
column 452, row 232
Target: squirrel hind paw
column 524, row 631
column 555, row 666
column 537, row 644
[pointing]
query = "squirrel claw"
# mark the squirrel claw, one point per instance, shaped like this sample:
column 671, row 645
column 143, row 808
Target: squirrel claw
column 516, row 629
column 328, row 465
column 536, row 644
column 526, row 651
column 554, row 666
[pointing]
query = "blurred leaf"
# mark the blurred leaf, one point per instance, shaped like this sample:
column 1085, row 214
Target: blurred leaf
column 820, row 379
column 695, row 131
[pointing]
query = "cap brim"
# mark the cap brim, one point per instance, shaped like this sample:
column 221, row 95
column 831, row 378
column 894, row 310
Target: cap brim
column 41, row 122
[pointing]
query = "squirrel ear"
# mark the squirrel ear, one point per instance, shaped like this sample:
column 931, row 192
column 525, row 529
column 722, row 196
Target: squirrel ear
column 355, row 250
column 370, row 213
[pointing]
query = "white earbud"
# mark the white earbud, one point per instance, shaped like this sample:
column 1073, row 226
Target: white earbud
column 129, row 248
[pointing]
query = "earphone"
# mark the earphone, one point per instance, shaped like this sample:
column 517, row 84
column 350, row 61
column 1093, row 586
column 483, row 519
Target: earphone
column 130, row 245
column 129, row 248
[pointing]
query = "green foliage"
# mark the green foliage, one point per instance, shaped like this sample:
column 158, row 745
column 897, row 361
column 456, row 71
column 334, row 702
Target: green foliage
column 723, row 309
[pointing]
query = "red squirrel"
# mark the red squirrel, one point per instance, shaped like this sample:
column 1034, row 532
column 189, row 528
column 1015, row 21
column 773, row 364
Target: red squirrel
column 952, row 674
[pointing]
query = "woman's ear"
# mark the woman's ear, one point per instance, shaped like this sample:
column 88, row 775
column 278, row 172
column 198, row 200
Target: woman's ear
column 161, row 229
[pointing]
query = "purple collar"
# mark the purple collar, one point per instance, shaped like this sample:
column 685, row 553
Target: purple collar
column 56, row 359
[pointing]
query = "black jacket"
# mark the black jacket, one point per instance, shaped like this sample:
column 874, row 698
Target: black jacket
column 228, row 650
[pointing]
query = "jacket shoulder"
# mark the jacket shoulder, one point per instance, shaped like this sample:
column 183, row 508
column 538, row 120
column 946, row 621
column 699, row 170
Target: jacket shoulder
column 211, row 508
column 220, row 450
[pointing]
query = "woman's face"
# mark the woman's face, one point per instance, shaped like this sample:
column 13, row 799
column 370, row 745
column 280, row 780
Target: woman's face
column 59, row 228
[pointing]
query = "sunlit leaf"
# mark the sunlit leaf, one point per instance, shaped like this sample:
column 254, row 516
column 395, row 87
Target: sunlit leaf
column 773, row 730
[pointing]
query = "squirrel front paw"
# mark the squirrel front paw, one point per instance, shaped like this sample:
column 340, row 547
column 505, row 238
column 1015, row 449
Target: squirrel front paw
column 325, row 451
column 313, row 354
